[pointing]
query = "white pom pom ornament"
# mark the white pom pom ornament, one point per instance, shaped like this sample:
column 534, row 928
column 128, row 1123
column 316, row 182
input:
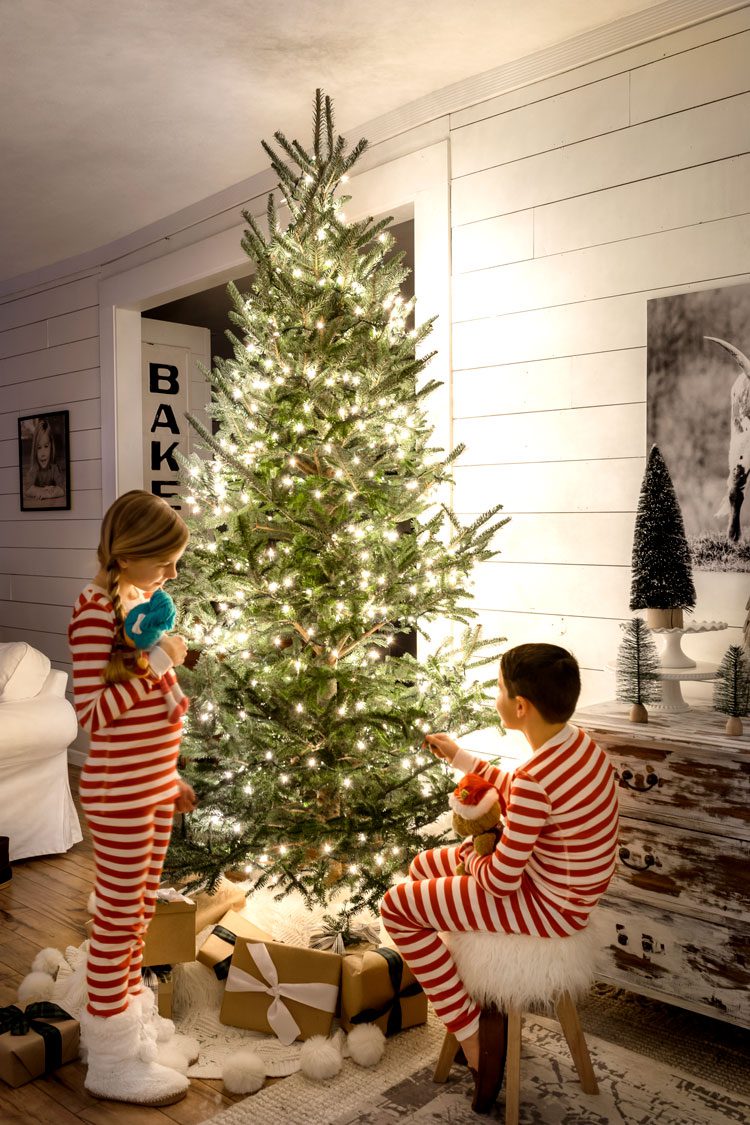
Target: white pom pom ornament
column 320, row 1058
column 35, row 986
column 366, row 1044
column 244, row 1072
column 48, row 960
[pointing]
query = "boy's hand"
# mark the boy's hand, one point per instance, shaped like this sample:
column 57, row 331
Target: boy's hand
column 441, row 745
column 186, row 799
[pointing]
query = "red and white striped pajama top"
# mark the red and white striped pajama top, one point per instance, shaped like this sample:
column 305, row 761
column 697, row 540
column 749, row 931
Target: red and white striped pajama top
column 560, row 817
column 132, row 760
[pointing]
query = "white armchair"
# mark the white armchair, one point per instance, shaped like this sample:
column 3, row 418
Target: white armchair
column 37, row 724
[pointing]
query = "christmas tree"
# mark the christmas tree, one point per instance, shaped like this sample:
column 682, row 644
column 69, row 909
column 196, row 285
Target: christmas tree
column 732, row 687
column 662, row 574
column 318, row 536
column 638, row 665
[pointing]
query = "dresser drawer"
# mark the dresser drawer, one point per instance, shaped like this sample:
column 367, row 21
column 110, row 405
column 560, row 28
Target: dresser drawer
column 690, row 871
column 701, row 965
column 684, row 784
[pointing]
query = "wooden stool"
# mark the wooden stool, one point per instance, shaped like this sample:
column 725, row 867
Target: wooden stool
column 517, row 973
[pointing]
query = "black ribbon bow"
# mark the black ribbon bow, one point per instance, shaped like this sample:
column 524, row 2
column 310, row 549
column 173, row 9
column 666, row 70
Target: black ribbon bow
column 393, row 1007
column 19, row 1022
column 221, row 968
column 161, row 972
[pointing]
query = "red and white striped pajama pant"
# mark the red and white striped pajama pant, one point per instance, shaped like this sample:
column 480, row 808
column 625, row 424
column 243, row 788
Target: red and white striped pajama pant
column 129, row 847
column 435, row 900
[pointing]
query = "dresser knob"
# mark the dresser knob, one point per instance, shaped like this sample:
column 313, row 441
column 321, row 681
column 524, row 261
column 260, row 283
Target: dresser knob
column 626, row 776
column 649, row 860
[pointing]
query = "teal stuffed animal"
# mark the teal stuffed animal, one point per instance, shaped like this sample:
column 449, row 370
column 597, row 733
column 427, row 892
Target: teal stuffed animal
column 144, row 625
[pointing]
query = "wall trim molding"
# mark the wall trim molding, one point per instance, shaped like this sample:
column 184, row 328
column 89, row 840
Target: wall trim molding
column 588, row 47
column 570, row 54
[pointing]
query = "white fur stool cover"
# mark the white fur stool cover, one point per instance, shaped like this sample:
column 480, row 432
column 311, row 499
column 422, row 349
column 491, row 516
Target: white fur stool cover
column 523, row 972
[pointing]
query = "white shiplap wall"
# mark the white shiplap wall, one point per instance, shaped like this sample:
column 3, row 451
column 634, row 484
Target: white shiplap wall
column 574, row 200
column 49, row 360
column 570, row 209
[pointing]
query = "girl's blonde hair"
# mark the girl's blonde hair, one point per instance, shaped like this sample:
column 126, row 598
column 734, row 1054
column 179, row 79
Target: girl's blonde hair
column 138, row 525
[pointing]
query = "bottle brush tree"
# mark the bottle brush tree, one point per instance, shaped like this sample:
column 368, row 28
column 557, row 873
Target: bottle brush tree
column 732, row 688
column 637, row 674
column 662, row 574
column 318, row 532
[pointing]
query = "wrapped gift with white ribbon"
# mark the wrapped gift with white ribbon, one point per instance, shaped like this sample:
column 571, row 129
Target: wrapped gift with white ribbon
column 170, row 894
column 281, row 989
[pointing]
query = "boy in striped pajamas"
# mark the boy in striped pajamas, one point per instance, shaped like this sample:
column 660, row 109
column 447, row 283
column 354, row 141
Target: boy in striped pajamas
column 130, row 791
column 554, row 858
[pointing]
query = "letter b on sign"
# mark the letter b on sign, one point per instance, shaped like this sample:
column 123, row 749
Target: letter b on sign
column 163, row 379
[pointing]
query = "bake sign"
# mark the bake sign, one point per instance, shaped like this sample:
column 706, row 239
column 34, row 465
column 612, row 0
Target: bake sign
column 164, row 407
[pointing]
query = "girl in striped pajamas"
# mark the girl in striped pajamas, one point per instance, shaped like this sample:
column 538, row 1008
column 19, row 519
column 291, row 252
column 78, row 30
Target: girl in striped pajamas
column 130, row 791
column 553, row 861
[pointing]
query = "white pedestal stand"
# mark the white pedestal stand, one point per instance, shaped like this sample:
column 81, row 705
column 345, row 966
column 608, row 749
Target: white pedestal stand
column 677, row 665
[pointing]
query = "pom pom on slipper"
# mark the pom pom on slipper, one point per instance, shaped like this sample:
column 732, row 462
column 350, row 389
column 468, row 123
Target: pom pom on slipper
column 169, row 1054
column 366, row 1044
column 244, row 1072
column 320, row 1058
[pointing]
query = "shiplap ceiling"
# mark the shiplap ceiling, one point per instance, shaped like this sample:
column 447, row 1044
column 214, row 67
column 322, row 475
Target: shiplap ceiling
column 114, row 115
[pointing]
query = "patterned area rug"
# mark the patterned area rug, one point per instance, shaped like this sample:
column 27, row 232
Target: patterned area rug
column 634, row 1090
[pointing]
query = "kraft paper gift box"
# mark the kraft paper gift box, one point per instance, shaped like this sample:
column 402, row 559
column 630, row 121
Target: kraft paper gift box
column 35, row 1041
column 282, row 990
column 377, row 987
column 217, row 949
column 211, row 908
column 170, row 937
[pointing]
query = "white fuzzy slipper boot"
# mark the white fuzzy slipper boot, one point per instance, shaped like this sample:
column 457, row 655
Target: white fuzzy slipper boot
column 118, row 1062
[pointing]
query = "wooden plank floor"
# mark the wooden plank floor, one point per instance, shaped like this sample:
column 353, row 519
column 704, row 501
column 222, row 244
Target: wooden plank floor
column 45, row 904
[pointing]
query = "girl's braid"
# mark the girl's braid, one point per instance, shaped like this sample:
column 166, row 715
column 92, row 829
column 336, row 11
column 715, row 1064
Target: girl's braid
column 119, row 666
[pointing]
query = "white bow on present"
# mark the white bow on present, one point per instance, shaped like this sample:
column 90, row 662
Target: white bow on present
column 169, row 894
column 336, row 934
column 280, row 1019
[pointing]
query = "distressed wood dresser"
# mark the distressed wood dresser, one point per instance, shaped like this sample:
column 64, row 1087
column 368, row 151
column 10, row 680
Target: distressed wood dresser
column 675, row 919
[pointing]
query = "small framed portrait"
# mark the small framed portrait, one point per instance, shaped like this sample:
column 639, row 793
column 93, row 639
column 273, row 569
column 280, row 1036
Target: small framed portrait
column 44, row 461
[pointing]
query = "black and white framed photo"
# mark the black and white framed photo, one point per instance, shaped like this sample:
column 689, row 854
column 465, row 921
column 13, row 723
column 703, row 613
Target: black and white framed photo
column 44, row 461
column 699, row 416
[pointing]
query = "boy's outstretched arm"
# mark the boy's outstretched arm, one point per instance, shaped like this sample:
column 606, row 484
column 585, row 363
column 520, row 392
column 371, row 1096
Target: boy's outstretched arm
column 443, row 746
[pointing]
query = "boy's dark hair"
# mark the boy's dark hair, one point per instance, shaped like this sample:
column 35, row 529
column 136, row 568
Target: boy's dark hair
column 547, row 675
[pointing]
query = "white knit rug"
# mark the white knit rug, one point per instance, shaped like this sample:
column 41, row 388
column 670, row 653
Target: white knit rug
column 633, row 1090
